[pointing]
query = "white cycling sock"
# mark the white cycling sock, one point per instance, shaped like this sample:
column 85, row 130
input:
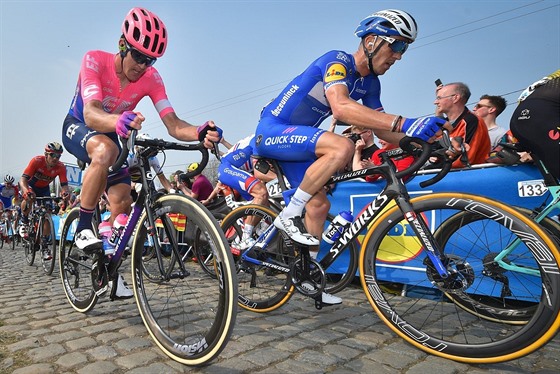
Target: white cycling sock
column 247, row 231
column 296, row 205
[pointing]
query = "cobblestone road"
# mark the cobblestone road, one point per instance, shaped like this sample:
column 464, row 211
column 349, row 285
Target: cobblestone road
column 50, row 337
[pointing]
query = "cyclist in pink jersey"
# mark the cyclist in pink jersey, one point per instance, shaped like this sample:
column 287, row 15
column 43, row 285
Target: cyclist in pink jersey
column 109, row 88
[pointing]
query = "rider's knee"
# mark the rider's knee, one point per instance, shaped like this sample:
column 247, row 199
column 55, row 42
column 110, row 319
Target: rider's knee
column 104, row 152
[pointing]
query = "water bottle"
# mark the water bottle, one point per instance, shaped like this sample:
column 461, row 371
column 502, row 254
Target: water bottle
column 337, row 226
column 118, row 228
column 105, row 230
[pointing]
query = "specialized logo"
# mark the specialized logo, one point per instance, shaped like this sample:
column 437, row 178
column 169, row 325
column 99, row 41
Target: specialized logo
column 335, row 72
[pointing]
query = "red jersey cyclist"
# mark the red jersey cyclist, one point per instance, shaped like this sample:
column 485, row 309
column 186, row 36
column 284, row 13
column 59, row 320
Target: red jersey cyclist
column 37, row 177
column 110, row 85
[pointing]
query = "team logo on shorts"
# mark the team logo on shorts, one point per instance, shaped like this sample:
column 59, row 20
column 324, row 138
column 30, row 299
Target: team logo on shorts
column 335, row 72
column 258, row 140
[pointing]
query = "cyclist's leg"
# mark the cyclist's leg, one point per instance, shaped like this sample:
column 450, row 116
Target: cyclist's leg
column 100, row 151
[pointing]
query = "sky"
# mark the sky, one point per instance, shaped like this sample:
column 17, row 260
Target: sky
column 226, row 59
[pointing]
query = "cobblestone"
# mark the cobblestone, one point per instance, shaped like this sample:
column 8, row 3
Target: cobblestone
column 296, row 338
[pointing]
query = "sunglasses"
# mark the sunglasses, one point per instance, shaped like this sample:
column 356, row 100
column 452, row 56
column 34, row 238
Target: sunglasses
column 54, row 155
column 140, row 58
column 397, row 46
column 478, row 106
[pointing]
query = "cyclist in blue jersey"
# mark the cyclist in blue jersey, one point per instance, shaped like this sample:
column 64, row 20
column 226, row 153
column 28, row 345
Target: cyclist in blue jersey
column 333, row 84
column 236, row 170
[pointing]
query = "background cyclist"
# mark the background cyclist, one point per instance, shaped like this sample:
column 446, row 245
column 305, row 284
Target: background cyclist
column 536, row 121
column 9, row 197
column 333, row 84
column 35, row 181
column 237, row 171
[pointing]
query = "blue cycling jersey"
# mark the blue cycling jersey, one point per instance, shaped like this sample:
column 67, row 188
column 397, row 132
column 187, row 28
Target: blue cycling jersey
column 288, row 130
column 236, row 167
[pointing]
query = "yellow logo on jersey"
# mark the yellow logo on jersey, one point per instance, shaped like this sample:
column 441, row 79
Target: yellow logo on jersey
column 335, row 72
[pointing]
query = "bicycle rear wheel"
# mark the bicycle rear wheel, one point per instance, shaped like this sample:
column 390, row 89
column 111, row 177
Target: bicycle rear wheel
column 421, row 312
column 189, row 315
column 48, row 244
column 75, row 266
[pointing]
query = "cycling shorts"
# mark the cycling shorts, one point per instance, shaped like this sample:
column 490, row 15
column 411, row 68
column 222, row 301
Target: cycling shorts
column 75, row 136
column 292, row 145
column 240, row 180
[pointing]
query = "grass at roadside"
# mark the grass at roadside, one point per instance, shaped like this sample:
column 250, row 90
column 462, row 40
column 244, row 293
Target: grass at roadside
column 18, row 359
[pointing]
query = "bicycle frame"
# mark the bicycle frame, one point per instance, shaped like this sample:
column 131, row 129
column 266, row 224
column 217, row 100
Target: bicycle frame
column 394, row 190
column 554, row 190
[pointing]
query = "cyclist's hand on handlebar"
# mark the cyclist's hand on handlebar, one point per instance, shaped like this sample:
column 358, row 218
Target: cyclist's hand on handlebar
column 127, row 121
column 209, row 133
column 29, row 194
column 424, row 128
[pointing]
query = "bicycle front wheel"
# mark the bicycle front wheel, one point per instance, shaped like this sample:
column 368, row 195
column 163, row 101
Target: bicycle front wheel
column 30, row 243
column 411, row 297
column 48, row 244
column 189, row 315
column 75, row 266
column 261, row 288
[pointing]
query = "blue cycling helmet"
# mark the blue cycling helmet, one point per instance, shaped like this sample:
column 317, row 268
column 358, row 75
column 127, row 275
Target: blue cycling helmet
column 389, row 22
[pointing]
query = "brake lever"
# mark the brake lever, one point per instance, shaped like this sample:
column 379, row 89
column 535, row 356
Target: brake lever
column 216, row 151
column 464, row 155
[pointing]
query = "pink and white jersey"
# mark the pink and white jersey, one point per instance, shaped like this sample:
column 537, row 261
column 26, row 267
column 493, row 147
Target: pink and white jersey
column 99, row 81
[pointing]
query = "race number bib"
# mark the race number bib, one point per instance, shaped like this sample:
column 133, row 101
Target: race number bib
column 531, row 188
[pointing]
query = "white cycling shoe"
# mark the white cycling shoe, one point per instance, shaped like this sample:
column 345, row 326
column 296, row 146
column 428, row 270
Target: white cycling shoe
column 326, row 298
column 120, row 290
column 87, row 241
column 293, row 226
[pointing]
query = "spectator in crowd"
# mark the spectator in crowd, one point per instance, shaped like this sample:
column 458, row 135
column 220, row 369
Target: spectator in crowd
column 488, row 108
column 200, row 188
column 364, row 145
column 451, row 100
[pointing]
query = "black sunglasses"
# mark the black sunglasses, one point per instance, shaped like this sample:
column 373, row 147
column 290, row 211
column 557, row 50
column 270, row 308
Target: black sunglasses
column 54, row 155
column 141, row 58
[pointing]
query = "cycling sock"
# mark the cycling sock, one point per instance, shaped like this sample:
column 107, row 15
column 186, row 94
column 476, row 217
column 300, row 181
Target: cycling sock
column 247, row 231
column 85, row 219
column 297, row 203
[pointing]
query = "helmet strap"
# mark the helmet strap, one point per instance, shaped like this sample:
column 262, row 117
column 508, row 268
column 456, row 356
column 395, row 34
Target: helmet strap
column 372, row 53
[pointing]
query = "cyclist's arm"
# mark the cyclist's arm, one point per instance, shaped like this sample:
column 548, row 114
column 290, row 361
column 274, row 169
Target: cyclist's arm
column 99, row 120
column 182, row 130
column 349, row 111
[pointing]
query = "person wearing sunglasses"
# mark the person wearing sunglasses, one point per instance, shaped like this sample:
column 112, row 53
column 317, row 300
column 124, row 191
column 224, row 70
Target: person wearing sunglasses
column 488, row 108
column 110, row 85
column 451, row 100
column 334, row 84
column 36, row 179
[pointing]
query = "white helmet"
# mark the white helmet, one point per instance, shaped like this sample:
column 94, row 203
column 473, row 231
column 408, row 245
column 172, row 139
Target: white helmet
column 389, row 22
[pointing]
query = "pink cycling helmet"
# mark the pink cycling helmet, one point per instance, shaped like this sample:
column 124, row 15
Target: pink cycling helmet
column 145, row 32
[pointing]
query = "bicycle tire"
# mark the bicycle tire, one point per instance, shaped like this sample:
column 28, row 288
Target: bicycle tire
column 75, row 266
column 30, row 243
column 48, row 265
column 497, row 308
column 261, row 289
column 13, row 238
column 203, row 252
column 336, row 282
column 438, row 326
column 189, row 316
